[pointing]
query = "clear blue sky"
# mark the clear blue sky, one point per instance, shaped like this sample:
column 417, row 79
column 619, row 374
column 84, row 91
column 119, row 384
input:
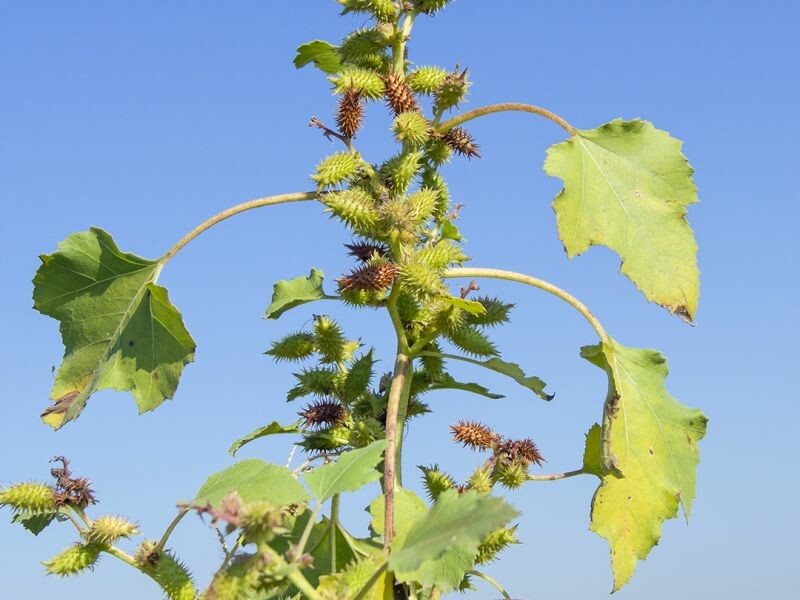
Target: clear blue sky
column 147, row 117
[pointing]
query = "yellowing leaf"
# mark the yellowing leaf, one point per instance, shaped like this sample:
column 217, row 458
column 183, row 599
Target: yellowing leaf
column 654, row 444
column 627, row 186
column 119, row 329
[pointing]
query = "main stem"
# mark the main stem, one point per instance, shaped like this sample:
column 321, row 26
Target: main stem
column 402, row 366
column 504, row 107
column 538, row 283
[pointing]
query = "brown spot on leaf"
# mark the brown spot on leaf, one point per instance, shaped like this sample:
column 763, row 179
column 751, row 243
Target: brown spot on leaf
column 683, row 314
column 651, row 451
column 62, row 404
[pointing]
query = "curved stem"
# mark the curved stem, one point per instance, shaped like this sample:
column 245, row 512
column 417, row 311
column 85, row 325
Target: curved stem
column 556, row 476
column 505, row 107
column 170, row 528
column 235, row 210
column 123, row 556
column 401, row 367
column 491, row 581
column 72, row 520
column 538, row 283
column 301, row 545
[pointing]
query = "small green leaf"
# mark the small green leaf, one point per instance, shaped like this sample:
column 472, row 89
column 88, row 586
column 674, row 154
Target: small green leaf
column 627, row 186
column 324, row 55
column 271, row 429
column 591, row 453
column 446, row 382
column 461, row 520
column 253, row 479
column 508, row 369
column 653, row 443
column 471, row 306
column 351, row 470
column 290, row 294
column 34, row 522
column 118, row 327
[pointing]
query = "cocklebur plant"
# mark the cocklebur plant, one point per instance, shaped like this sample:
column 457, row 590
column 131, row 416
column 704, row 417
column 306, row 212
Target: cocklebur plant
column 627, row 186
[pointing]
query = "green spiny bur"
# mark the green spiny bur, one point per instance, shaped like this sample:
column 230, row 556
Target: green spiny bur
column 295, row 346
column 73, row 560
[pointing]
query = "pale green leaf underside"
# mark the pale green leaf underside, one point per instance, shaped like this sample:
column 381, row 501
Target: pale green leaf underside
column 119, row 329
column 273, row 428
column 408, row 508
column 654, row 443
column 324, row 55
column 503, row 367
column 627, row 186
column 352, row 470
column 254, row 480
column 300, row 290
column 454, row 520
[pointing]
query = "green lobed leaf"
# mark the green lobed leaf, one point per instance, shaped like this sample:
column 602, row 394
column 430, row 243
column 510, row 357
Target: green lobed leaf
column 323, row 54
column 653, row 443
column 352, row 470
column 119, row 329
column 253, row 479
column 461, row 520
column 508, row 369
column 273, row 428
column 290, row 294
column 446, row 382
column 627, row 186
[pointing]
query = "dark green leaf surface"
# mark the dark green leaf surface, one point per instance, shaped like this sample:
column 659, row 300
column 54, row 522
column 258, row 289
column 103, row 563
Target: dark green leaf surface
column 300, row 290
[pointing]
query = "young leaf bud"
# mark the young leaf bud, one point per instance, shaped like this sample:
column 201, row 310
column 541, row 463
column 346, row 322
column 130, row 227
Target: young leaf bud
column 400, row 170
column 480, row 481
column 494, row 543
column 73, row 560
column 383, row 10
column 420, row 280
column 328, row 339
column 295, row 346
column 29, row 497
column 423, row 204
column 355, row 208
column 365, row 48
column 368, row 83
column 108, row 529
column 451, row 91
column 426, row 80
column 435, row 481
column 511, row 475
column 412, row 128
column 336, row 169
